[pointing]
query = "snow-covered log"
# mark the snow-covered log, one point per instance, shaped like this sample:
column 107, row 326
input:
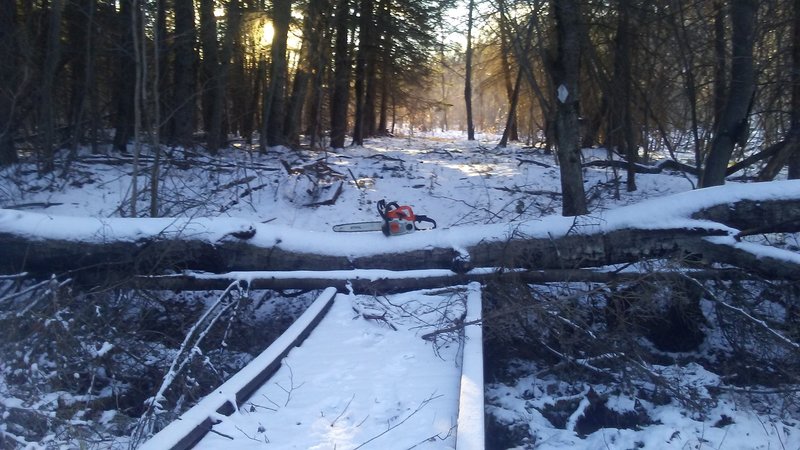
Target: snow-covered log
column 658, row 228
column 387, row 281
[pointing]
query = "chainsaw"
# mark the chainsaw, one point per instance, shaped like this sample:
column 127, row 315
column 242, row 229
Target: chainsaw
column 395, row 220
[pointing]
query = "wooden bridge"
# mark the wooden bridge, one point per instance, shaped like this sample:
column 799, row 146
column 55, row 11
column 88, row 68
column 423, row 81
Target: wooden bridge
column 353, row 372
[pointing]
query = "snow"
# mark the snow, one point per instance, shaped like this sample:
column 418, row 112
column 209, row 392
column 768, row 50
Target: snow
column 355, row 381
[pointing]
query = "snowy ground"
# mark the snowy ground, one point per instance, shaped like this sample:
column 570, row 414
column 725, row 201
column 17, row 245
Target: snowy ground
column 457, row 183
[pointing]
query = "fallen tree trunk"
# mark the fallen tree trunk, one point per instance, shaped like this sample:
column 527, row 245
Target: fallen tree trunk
column 364, row 282
column 115, row 248
column 45, row 257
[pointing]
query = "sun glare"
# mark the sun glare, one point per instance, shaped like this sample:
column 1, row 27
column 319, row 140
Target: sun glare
column 267, row 32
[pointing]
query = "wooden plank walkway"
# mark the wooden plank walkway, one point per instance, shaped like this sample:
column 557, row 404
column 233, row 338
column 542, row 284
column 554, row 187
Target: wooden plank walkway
column 379, row 385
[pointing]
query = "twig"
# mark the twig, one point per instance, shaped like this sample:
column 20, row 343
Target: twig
column 434, row 437
column 344, row 410
column 358, row 185
column 744, row 313
column 392, row 427
column 292, row 387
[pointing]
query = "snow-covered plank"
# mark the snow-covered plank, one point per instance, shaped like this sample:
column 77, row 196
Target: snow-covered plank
column 470, row 407
column 194, row 423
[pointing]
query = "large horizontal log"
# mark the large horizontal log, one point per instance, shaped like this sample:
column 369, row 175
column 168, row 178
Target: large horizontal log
column 766, row 262
column 381, row 281
column 45, row 257
column 42, row 245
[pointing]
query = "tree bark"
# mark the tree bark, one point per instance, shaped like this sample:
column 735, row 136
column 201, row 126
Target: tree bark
column 341, row 81
column 566, row 76
column 720, row 61
column 8, row 72
column 468, row 74
column 732, row 128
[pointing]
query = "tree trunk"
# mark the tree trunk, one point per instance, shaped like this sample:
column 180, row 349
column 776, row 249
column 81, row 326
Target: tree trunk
column 8, row 79
column 318, row 50
column 370, row 79
column 794, row 158
column 402, row 282
column 468, row 73
column 139, row 99
column 512, row 90
column 360, row 127
column 211, row 78
column 386, row 26
column 621, row 132
column 47, row 116
column 275, row 103
column 233, row 60
column 791, row 149
column 158, row 59
column 511, row 121
column 341, row 76
column 732, row 128
column 80, row 26
column 184, row 103
column 720, row 61
column 686, row 56
column 309, row 52
column 566, row 75
column 123, row 122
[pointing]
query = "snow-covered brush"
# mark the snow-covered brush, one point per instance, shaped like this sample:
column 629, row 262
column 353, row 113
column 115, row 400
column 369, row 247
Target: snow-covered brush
column 188, row 350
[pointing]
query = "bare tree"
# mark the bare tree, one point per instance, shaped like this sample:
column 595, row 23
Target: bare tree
column 565, row 72
column 732, row 128
column 468, row 72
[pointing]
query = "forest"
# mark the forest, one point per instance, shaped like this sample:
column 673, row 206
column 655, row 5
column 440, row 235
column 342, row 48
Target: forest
column 616, row 180
column 718, row 78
